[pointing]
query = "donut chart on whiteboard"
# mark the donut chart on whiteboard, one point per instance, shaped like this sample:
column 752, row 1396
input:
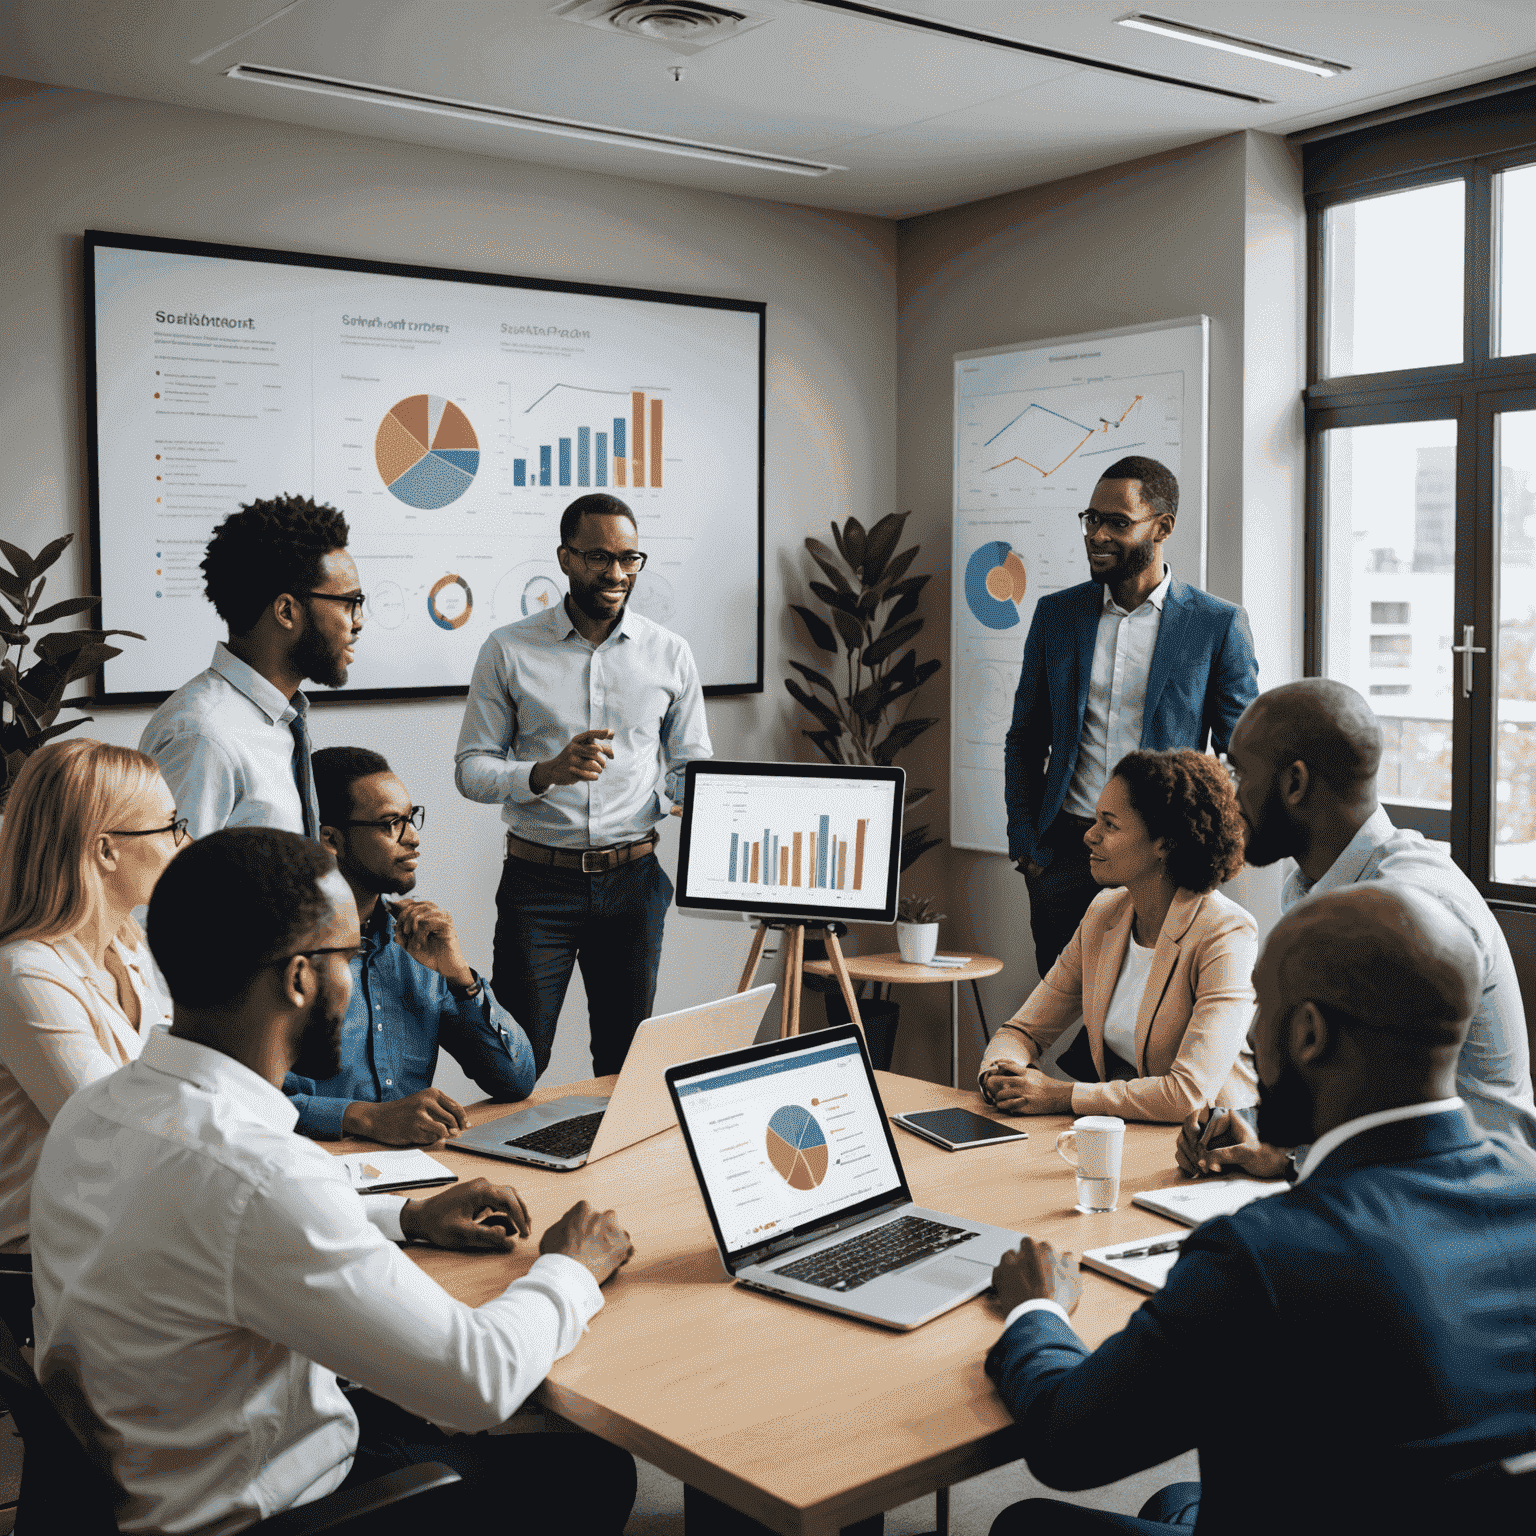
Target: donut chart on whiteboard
column 995, row 583
column 450, row 602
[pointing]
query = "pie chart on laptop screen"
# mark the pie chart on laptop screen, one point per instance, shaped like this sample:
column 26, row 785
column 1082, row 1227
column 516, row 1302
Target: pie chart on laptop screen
column 796, row 1147
column 427, row 452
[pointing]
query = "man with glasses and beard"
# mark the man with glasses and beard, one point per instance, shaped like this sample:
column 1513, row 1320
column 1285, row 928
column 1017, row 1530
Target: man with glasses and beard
column 1131, row 658
column 580, row 723
column 233, row 743
column 203, row 1275
column 1372, row 1327
column 412, row 988
column 1304, row 759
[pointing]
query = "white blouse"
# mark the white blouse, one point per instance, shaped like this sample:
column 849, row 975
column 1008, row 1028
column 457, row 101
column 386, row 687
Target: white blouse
column 60, row 1027
column 1125, row 1004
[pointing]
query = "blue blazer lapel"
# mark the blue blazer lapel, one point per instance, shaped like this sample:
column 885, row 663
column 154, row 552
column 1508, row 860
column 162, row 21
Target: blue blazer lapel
column 1172, row 636
column 1086, row 632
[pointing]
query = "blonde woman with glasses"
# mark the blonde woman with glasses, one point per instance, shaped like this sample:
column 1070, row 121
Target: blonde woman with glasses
column 88, row 829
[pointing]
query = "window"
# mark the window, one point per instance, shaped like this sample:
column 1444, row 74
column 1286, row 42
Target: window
column 1421, row 473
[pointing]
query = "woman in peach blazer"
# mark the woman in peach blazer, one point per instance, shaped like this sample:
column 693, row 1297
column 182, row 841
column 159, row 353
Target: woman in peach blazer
column 1160, row 968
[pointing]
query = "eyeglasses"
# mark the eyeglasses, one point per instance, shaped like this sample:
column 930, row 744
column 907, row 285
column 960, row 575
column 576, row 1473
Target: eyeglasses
column 395, row 825
column 355, row 600
column 351, row 951
column 1093, row 521
column 630, row 561
column 177, row 829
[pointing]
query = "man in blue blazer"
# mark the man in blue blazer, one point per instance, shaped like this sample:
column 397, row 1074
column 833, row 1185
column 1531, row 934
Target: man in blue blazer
column 1131, row 658
column 1342, row 1353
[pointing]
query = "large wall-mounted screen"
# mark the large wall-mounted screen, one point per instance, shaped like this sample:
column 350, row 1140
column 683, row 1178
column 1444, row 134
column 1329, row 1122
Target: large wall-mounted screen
column 452, row 416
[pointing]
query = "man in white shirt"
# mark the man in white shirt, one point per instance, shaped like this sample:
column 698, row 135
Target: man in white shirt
column 233, row 743
column 580, row 723
column 1305, row 758
column 1340, row 1353
column 1131, row 658
column 203, row 1274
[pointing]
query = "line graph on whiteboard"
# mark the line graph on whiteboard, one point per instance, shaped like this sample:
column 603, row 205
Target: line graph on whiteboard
column 1032, row 435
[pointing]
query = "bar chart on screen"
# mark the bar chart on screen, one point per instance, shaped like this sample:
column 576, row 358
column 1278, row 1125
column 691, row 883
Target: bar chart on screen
column 820, row 841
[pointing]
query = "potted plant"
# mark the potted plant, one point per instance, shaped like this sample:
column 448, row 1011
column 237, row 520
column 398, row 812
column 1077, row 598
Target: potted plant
column 917, row 929
column 871, row 602
column 30, row 700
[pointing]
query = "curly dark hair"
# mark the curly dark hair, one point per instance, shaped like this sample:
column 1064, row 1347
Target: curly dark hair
column 264, row 550
column 1186, row 797
column 336, row 770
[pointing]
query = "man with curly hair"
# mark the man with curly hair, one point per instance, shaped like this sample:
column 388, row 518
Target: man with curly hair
column 233, row 744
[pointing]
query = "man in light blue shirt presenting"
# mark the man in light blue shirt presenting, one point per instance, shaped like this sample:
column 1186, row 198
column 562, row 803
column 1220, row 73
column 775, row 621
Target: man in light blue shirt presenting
column 580, row 723
column 233, row 743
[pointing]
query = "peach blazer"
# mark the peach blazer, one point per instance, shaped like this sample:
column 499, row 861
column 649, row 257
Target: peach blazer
column 1194, row 1016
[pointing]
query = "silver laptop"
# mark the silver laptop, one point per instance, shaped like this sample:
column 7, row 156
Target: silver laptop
column 805, row 1190
column 566, row 1133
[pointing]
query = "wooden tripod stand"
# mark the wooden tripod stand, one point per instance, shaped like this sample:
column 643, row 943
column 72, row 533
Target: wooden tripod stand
column 794, row 968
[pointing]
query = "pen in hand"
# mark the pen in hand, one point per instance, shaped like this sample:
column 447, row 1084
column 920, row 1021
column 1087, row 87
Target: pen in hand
column 1205, row 1135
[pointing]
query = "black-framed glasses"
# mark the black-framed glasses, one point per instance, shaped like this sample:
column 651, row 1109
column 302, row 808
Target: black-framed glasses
column 177, row 829
column 1093, row 521
column 598, row 560
column 351, row 951
column 395, row 825
column 356, row 601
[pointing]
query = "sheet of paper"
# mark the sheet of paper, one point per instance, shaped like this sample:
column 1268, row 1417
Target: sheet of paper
column 380, row 1170
column 1202, row 1199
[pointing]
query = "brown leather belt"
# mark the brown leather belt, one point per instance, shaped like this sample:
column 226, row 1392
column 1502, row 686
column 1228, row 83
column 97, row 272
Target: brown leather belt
column 590, row 861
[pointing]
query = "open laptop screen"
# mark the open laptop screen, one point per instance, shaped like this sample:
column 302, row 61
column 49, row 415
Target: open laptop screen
column 786, row 1136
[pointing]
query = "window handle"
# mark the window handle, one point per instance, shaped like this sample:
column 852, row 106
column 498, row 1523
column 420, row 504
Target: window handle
column 1466, row 650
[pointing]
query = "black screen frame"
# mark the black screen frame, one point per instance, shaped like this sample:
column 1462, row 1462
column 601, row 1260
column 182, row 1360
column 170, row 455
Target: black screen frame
column 96, row 238
column 794, row 912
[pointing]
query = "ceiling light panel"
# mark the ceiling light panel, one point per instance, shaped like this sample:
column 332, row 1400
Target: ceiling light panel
column 1247, row 48
column 363, row 92
column 680, row 26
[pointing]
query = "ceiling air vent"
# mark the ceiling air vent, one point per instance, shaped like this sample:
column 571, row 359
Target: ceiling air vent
column 680, row 26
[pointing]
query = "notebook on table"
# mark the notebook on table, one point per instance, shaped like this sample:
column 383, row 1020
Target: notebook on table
column 805, row 1190
column 568, row 1133
column 1206, row 1198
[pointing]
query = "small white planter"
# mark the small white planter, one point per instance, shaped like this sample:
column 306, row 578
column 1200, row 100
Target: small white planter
column 917, row 942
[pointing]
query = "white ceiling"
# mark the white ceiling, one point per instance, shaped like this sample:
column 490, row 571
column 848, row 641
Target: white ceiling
column 919, row 121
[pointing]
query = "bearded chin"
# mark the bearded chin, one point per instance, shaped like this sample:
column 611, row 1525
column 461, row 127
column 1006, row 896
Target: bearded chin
column 1285, row 1110
column 320, row 1045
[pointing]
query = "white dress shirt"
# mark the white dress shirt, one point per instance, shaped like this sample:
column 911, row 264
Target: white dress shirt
column 1321, row 1149
column 1493, row 1072
column 538, row 683
column 203, row 1274
column 1117, row 694
column 225, row 746
column 61, row 1026
column 1125, row 1001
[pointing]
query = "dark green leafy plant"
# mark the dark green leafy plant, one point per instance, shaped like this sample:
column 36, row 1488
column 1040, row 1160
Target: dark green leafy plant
column 918, row 909
column 872, row 601
column 30, row 700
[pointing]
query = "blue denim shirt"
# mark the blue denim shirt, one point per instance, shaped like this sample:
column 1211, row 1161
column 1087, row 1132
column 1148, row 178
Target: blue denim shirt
column 400, row 1012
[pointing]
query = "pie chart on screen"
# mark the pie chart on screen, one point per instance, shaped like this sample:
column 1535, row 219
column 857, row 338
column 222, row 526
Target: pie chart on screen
column 796, row 1147
column 427, row 452
column 995, row 583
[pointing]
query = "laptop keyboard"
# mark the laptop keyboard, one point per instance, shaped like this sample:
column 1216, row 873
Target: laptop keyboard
column 864, row 1258
column 566, row 1138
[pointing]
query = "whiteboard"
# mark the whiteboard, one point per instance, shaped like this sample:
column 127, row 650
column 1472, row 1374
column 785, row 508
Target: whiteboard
column 450, row 416
column 1035, row 426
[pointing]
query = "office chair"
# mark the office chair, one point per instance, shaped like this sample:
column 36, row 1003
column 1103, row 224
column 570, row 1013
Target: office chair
column 62, row 1489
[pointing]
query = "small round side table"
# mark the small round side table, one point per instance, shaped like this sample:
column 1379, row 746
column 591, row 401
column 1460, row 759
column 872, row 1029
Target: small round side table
column 888, row 969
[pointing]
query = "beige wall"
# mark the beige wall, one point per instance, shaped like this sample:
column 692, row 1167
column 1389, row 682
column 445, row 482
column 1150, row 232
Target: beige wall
column 1216, row 229
column 864, row 317
column 74, row 161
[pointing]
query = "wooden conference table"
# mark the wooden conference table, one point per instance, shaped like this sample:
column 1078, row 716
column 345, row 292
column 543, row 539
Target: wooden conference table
column 803, row 1419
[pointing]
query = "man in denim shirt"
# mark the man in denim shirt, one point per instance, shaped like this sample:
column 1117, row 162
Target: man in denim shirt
column 412, row 988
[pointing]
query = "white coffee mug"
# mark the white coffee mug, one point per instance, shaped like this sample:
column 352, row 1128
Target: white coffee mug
column 1097, row 1141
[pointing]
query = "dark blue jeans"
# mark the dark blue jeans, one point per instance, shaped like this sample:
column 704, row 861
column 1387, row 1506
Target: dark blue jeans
column 1060, row 896
column 1174, row 1508
column 549, row 920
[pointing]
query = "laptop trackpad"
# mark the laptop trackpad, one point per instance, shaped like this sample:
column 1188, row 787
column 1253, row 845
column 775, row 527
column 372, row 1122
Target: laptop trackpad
column 948, row 1274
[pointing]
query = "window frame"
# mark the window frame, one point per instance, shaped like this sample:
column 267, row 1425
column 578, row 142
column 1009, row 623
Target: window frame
column 1471, row 392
